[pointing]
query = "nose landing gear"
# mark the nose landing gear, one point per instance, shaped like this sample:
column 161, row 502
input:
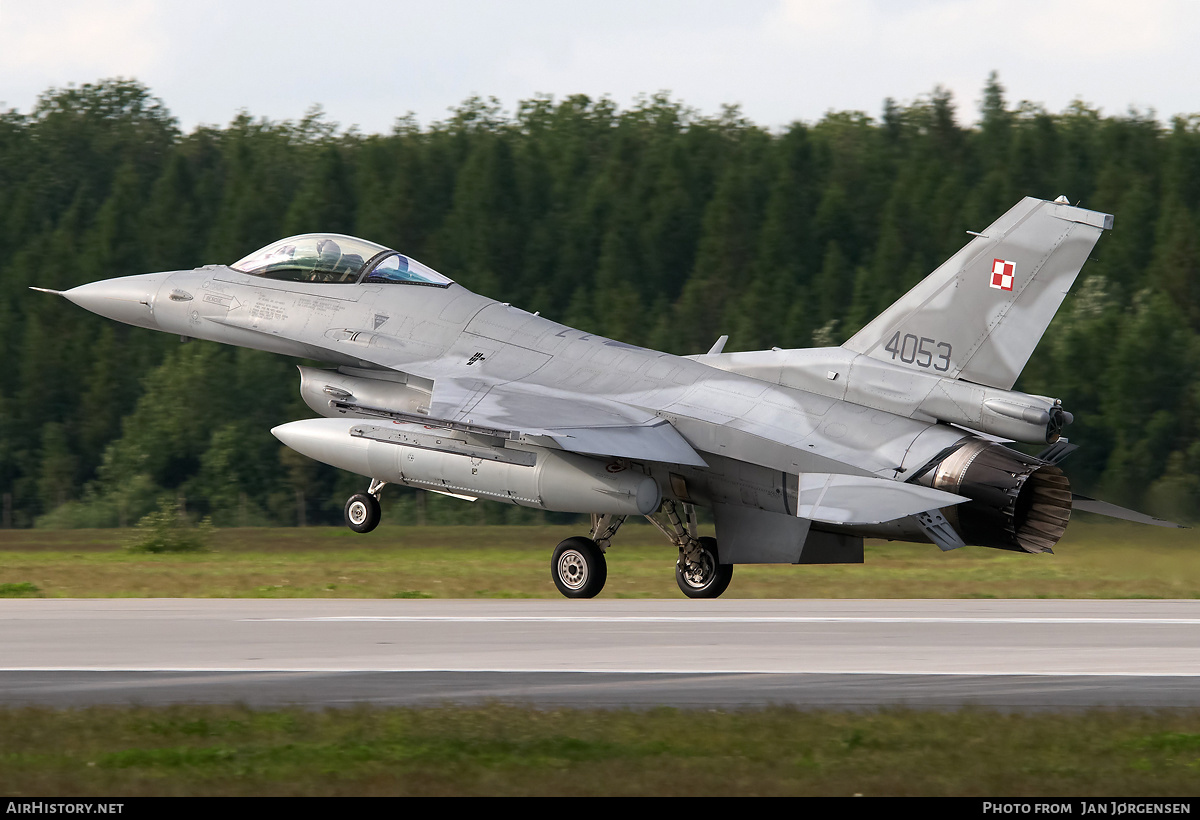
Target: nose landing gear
column 362, row 509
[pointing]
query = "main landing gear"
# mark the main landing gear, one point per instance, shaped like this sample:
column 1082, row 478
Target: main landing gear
column 578, row 566
column 698, row 570
column 362, row 509
column 580, row 570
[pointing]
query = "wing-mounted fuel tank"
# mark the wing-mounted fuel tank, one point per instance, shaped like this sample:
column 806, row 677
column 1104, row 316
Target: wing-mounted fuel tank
column 334, row 393
column 467, row 464
column 1017, row 502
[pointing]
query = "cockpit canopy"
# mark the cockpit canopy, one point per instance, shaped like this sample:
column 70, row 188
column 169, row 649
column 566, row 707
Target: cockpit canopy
column 336, row 259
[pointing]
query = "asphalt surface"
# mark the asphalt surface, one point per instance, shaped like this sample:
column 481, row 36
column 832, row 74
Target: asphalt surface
column 855, row 654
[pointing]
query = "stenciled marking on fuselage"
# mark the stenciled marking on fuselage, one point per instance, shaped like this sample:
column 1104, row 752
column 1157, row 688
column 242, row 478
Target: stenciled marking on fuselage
column 269, row 309
column 318, row 304
column 919, row 350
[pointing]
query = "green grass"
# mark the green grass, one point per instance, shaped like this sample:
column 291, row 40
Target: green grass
column 500, row 750
column 1095, row 560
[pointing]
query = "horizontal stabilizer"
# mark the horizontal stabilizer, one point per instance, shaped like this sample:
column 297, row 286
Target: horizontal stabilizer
column 1091, row 505
column 834, row 498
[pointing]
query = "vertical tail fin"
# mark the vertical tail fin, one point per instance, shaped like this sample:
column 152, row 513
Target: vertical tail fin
column 979, row 316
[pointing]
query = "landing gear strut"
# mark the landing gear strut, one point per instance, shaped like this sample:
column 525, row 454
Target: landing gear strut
column 362, row 509
column 698, row 571
column 580, row 570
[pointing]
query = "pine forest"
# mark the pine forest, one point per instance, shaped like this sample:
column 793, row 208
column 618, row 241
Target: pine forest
column 652, row 224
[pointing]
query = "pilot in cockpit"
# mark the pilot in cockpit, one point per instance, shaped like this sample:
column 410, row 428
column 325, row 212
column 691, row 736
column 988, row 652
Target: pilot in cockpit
column 329, row 253
column 331, row 261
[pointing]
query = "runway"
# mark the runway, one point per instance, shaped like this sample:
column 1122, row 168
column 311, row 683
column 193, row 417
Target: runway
column 1043, row 654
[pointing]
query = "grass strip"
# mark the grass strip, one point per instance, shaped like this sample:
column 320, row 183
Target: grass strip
column 506, row 750
column 1093, row 561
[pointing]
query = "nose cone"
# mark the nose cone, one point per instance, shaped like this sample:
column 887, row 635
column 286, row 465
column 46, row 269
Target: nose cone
column 129, row 299
column 328, row 441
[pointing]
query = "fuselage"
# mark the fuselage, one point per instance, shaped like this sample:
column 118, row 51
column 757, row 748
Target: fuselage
column 752, row 433
column 895, row 433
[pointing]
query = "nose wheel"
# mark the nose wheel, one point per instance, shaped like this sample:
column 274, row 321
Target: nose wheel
column 362, row 509
column 362, row 512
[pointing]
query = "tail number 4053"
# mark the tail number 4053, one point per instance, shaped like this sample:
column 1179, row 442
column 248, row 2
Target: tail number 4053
column 921, row 351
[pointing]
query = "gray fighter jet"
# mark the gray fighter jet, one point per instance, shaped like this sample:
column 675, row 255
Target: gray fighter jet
column 899, row 433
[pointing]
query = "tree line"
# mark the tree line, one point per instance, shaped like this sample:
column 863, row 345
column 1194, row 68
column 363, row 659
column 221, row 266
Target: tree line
column 652, row 224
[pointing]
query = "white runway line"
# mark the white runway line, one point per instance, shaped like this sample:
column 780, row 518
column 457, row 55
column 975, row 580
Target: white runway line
column 726, row 619
column 328, row 670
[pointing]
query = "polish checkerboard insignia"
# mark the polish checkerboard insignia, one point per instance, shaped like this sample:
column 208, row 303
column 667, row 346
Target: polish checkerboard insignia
column 1003, row 272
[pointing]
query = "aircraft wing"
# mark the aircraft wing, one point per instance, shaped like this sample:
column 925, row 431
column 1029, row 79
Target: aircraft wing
column 654, row 442
column 594, row 426
column 581, row 424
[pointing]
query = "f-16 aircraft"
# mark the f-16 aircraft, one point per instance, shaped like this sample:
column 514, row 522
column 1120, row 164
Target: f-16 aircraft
column 899, row 433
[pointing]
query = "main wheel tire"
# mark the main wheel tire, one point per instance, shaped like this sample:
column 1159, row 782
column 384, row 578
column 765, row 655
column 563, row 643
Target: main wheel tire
column 362, row 512
column 579, row 568
column 707, row 577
